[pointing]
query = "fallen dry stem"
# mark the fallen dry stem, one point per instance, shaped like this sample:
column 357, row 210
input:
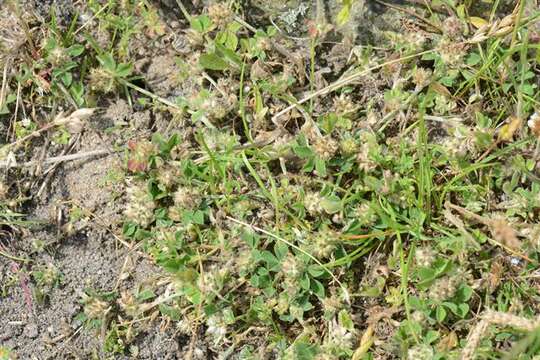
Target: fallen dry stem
column 56, row 159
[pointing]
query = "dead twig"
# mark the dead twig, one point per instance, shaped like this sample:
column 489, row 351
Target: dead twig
column 56, row 159
column 50, row 171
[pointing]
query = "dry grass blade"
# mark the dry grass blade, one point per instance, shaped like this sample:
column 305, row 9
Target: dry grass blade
column 345, row 81
column 491, row 317
column 473, row 340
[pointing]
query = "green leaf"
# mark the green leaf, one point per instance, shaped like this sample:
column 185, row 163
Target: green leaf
column 320, row 167
column 303, row 151
column 318, row 288
column 343, row 15
column 316, row 270
column 345, row 320
column 229, row 54
column 107, row 61
column 331, row 204
column 304, row 351
column 463, row 310
column 123, row 70
column 227, row 39
column 67, row 78
column 250, row 238
column 75, row 50
column 269, row 258
column 440, row 313
column 304, row 282
column 193, row 217
column 465, row 293
column 453, row 307
column 201, row 23
column 173, row 313
column 145, row 295
column 473, row 59
column 431, row 336
column 228, row 316
column 77, row 91
column 193, row 294
column 212, row 62
column 281, row 250
column 129, row 229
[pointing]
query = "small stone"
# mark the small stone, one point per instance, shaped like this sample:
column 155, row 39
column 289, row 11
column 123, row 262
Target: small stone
column 31, row 331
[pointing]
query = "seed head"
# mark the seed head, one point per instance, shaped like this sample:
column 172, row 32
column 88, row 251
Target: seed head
column 534, row 124
column 57, row 56
column 424, row 257
column 420, row 352
column 140, row 207
column 343, row 105
column 186, row 198
column 95, row 308
column 443, row 288
column 348, row 146
column 3, row 191
column 452, row 53
column 168, row 175
column 128, row 304
column 323, row 244
column 452, row 27
column 292, row 267
column 313, row 203
column 216, row 328
column 100, row 80
column 325, row 147
column 220, row 14
column 421, row 77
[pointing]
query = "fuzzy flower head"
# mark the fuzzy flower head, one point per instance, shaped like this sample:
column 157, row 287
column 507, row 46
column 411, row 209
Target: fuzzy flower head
column 365, row 214
column 186, row 198
column 220, row 14
column 343, row 105
column 534, row 124
column 368, row 147
column 452, row 54
column 325, row 147
column 140, row 207
column 292, row 267
column 424, row 257
column 216, row 328
column 168, row 175
column 348, row 146
column 339, row 338
column 421, row 77
column 128, row 304
column 444, row 288
column 50, row 275
column 461, row 143
column 323, row 244
column 332, row 304
column 420, row 352
column 95, row 308
column 452, row 27
column 101, row 80
column 313, row 203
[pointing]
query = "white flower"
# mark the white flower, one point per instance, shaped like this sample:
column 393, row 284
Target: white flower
column 216, row 328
